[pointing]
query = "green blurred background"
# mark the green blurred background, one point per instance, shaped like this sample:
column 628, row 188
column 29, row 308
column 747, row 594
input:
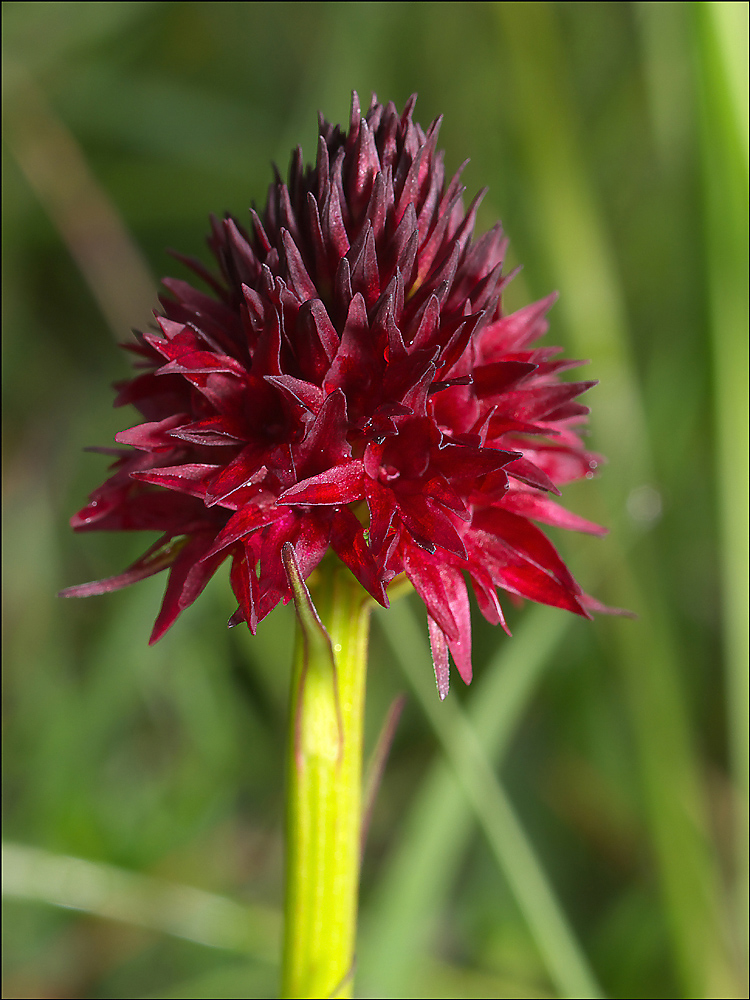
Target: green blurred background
column 587, row 836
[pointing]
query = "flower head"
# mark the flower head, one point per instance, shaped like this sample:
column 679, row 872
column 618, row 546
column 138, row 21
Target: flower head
column 351, row 383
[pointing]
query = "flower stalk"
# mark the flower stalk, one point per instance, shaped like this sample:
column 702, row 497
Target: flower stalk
column 324, row 781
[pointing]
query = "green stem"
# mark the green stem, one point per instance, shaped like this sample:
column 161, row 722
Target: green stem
column 324, row 784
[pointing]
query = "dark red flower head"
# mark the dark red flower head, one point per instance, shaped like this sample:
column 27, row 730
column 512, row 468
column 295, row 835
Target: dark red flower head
column 351, row 383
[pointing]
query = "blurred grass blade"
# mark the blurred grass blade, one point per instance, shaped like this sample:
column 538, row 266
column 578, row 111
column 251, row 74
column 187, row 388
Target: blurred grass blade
column 566, row 964
column 373, row 773
column 104, row 891
column 576, row 242
column 721, row 36
column 423, row 866
column 87, row 221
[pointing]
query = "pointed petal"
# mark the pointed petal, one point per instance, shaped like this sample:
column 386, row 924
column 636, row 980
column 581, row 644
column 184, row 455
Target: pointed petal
column 340, row 485
column 541, row 508
column 187, row 580
column 440, row 662
column 160, row 556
